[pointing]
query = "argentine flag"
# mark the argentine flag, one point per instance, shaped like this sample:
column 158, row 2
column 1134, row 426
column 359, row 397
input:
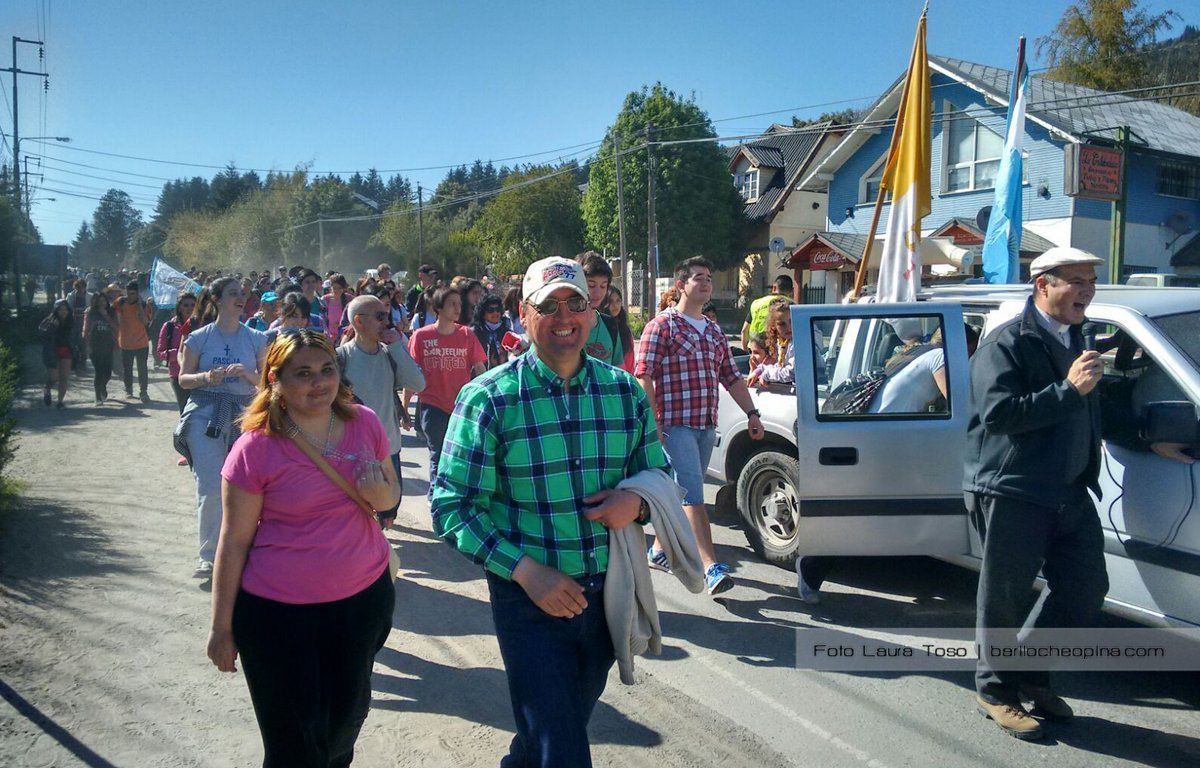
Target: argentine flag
column 1002, row 244
column 167, row 283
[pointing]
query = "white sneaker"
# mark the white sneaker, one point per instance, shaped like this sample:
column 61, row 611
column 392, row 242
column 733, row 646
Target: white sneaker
column 204, row 570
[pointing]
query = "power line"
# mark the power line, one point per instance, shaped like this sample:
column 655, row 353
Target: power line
column 447, row 203
column 101, row 190
column 135, row 203
column 101, row 168
column 47, row 166
column 1063, row 104
column 587, row 145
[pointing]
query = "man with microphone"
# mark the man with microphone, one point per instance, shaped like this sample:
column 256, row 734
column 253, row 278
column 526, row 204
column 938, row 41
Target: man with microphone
column 1033, row 452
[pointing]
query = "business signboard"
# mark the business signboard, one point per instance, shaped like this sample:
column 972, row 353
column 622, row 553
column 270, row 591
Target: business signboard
column 42, row 260
column 1092, row 172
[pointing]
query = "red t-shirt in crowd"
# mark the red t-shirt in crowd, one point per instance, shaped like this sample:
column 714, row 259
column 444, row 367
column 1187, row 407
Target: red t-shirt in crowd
column 446, row 362
column 314, row 543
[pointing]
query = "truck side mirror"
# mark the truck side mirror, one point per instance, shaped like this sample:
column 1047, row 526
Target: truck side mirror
column 1172, row 422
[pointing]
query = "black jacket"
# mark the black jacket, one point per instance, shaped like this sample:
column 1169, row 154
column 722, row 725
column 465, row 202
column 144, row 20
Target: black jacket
column 1028, row 424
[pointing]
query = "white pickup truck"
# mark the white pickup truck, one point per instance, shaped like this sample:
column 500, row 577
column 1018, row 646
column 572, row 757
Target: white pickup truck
column 889, row 483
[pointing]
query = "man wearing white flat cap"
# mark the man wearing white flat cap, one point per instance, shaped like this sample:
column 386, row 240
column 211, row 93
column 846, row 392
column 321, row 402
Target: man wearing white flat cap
column 1033, row 452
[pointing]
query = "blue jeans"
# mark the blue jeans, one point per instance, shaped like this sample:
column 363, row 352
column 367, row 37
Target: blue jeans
column 689, row 450
column 433, row 422
column 556, row 669
column 208, row 457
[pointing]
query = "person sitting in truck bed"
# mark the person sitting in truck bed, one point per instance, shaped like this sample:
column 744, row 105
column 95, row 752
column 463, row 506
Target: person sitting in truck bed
column 779, row 346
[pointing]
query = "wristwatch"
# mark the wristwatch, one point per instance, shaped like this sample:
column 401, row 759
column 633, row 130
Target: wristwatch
column 753, row 412
column 643, row 513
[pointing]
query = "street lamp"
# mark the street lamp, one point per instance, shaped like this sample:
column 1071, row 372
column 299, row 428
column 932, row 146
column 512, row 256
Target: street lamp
column 17, row 157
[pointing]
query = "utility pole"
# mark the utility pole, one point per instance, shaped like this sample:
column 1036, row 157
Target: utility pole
column 420, row 225
column 25, row 172
column 1116, row 238
column 620, row 205
column 320, row 241
column 651, row 222
column 17, row 144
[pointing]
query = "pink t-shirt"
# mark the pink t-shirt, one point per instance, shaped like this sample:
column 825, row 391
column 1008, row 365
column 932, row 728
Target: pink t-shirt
column 314, row 544
column 446, row 362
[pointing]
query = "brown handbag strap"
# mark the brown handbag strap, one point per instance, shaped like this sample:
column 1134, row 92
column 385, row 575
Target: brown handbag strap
column 334, row 475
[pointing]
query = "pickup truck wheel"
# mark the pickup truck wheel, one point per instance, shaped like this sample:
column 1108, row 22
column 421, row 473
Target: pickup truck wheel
column 766, row 496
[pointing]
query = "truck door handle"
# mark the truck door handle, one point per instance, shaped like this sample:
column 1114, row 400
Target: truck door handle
column 838, row 457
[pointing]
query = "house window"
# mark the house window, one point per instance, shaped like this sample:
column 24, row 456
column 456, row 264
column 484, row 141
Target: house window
column 1179, row 179
column 868, row 188
column 747, row 184
column 972, row 153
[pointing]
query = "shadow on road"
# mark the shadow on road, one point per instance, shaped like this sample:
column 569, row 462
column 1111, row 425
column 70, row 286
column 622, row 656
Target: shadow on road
column 46, row 546
column 1132, row 743
column 51, row 728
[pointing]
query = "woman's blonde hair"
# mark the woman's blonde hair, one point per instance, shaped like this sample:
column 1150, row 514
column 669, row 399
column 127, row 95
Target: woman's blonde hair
column 775, row 343
column 267, row 412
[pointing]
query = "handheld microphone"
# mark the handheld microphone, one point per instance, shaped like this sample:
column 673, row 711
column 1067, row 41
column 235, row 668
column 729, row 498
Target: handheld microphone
column 1089, row 336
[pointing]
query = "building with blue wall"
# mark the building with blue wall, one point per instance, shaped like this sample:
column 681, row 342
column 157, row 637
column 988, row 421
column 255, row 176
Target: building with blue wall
column 970, row 104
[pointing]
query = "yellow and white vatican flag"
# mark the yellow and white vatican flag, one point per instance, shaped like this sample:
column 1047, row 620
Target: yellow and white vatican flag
column 906, row 178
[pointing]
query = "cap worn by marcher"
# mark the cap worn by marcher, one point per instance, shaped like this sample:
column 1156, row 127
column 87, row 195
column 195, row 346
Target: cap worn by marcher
column 546, row 275
column 269, row 297
column 1061, row 256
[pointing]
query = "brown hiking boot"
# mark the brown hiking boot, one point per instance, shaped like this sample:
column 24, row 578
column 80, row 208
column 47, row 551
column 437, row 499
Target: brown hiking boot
column 1047, row 703
column 1012, row 719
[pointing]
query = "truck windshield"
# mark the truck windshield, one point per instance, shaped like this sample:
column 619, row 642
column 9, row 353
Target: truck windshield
column 1184, row 330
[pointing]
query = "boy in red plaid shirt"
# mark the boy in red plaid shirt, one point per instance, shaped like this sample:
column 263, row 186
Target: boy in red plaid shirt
column 681, row 358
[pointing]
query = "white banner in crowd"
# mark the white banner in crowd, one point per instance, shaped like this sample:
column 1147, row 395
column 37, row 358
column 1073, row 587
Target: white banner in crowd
column 166, row 283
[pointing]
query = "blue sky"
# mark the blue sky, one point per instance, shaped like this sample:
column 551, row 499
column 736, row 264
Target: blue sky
column 399, row 85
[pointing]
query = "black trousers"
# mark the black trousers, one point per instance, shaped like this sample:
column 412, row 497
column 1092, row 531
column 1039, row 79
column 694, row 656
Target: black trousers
column 102, row 366
column 1019, row 539
column 308, row 668
column 181, row 394
column 127, row 358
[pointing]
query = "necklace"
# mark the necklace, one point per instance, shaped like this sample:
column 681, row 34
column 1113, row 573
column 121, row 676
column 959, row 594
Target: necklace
column 325, row 446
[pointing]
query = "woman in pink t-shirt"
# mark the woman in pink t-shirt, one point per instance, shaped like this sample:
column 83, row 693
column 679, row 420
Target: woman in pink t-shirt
column 449, row 355
column 334, row 312
column 301, row 590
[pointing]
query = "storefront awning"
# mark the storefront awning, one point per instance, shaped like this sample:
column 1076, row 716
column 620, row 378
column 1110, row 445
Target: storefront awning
column 837, row 250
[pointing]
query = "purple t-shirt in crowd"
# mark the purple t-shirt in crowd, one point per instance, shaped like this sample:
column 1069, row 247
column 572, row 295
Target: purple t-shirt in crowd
column 314, row 544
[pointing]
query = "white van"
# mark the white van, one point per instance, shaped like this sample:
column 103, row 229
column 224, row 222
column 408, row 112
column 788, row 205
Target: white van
column 830, row 483
column 1170, row 280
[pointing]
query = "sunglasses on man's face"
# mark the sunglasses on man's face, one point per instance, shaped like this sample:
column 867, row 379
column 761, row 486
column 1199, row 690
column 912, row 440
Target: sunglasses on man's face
column 576, row 304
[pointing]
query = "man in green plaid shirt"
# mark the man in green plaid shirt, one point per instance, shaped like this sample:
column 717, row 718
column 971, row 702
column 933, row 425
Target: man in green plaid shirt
column 526, row 487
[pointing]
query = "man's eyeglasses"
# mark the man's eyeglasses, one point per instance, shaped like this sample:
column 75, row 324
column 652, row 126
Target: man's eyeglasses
column 576, row 304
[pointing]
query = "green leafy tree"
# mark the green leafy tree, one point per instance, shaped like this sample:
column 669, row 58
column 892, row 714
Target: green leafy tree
column 345, row 242
column 82, row 246
column 1098, row 44
column 229, row 186
column 447, row 241
column 531, row 219
column 842, row 117
column 698, row 210
column 114, row 223
column 191, row 194
column 14, row 232
column 397, row 188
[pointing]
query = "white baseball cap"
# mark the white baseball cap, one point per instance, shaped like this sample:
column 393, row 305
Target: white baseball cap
column 546, row 275
column 1061, row 256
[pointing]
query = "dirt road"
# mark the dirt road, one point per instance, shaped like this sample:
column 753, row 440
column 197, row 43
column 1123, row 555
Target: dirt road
column 102, row 631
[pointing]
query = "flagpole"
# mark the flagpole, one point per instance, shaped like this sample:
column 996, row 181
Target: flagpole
column 860, row 277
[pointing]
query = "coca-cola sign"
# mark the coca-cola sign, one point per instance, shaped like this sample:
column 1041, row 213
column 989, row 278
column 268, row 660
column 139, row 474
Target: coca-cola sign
column 826, row 259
